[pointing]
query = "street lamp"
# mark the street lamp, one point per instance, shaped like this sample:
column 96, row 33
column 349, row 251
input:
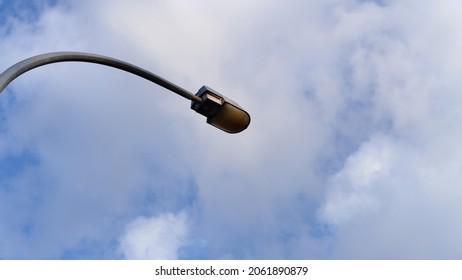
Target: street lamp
column 220, row 111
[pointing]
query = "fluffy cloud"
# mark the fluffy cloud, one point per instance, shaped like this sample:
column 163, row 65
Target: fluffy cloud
column 155, row 237
column 351, row 189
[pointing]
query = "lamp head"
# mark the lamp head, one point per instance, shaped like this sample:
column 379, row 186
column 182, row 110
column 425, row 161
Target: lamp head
column 221, row 111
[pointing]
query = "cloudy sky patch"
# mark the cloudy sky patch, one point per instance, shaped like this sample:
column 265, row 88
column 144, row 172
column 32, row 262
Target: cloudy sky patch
column 353, row 150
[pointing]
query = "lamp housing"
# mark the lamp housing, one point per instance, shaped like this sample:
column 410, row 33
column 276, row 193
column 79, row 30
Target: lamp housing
column 221, row 111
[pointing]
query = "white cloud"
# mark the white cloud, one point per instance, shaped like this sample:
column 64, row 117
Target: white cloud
column 159, row 237
column 352, row 189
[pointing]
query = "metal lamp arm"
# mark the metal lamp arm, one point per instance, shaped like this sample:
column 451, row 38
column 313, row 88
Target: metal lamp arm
column 220, row 111
column 36, row 61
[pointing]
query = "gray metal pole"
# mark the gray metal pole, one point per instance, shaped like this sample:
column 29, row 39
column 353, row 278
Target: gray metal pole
column 28, row 64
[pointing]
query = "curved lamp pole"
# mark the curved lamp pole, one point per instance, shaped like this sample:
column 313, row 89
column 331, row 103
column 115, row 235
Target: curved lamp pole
column 220, row 111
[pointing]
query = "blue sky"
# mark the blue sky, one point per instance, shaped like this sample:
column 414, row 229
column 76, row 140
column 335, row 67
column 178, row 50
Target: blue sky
column 353, row 152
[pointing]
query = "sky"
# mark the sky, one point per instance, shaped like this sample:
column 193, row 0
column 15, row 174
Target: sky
column 353, row 151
